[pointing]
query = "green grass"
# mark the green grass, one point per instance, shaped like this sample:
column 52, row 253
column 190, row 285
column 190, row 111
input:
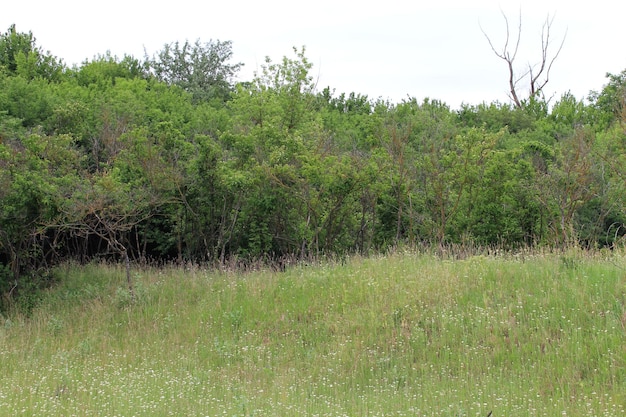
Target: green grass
column 399, row 335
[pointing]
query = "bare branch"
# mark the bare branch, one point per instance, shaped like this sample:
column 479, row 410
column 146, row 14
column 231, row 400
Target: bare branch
column 545, row 42
column 536, row 84
column 506, row 56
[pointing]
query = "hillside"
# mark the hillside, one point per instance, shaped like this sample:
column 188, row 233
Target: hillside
column 165, row 159
column 405, row 334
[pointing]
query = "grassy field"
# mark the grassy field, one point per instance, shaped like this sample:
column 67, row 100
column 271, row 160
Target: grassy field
column 396, row 335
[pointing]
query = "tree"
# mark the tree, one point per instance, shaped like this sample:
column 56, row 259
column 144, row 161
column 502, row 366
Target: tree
column 201, row 69
column 34, row 172
column 19, row 55
column 568, row 183
column 611, row 101
column 103, row 70
column 107, row 208
column 271, row 134
column 453, row 168
column 29, row 101
column 538, row 74
column 609, row 110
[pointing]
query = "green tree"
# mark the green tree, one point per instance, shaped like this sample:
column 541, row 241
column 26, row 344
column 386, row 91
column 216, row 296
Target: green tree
column 104, row 206
column 301, row 196
column 568, row 184
column 102, row 71
column 36, row 172
column 500, row 208
column 610, row 102
column 353, row 129
column 20, row 55
column 31, row 101
column 202, row 69
column 453, row 172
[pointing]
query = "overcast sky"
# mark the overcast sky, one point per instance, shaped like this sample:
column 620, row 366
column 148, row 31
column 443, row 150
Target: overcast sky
column 389, row 49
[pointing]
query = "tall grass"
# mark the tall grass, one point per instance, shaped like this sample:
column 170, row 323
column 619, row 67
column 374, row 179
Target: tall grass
column 397, row 335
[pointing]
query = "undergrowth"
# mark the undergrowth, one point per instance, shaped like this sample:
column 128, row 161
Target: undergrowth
column 518, row 335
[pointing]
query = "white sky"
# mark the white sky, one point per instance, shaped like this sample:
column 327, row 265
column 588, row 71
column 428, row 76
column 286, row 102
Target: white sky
column 389, row 49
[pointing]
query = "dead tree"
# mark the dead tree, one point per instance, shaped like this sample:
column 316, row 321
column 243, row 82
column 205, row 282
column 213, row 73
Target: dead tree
column 538, row 74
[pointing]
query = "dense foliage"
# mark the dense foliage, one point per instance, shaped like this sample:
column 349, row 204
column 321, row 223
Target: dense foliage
column 170, row 159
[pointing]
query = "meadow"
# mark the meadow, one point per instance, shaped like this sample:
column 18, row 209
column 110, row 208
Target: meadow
column 405, row 334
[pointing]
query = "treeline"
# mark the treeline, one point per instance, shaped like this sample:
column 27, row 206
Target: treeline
column 167, row 158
